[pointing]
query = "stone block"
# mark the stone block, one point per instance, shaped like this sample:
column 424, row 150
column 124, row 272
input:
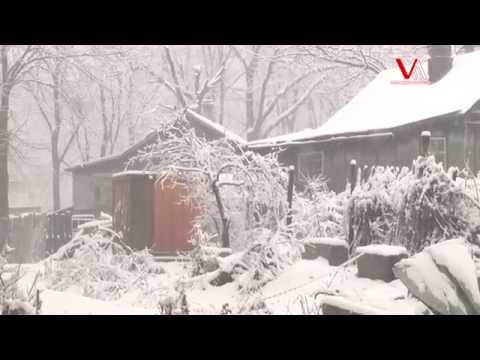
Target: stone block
column 334, row 250
column 377, row 261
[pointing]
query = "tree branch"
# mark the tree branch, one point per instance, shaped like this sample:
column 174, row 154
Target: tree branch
column 173, row 71
column 292, row 108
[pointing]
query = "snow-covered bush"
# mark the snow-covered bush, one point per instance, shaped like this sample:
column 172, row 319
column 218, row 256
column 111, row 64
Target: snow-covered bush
column 99, row 267
column 174, row 302
column 317, row 211
column 13, row 301
column 202, row 258
column 266, row 258
column 411, row 208
column 375, row 205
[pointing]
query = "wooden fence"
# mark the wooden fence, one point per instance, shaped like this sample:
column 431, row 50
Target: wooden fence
column 33, row 236
column 26, row 236
column 58, row 229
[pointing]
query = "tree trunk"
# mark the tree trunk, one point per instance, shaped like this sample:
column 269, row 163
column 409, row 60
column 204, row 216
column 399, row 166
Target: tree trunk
column 131, row 133
column 55, row 170
column 54, row 144
column 250, row 117
column 103, row 147
column 224, row 236
column 4, row 140
column 56, row 185
column 221, row 115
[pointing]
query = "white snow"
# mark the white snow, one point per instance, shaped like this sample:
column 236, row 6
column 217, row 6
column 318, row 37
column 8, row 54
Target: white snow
column 94, row 223
column 382, row 249
column 328, row 241
column 427, row 282
column 282, row 295
column 354, row 307
column 454, row 256
column 385, row 105
column 67, row 303
column 217, row 127
column 134, row 172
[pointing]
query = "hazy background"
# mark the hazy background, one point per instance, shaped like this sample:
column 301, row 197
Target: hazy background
column 80, row 103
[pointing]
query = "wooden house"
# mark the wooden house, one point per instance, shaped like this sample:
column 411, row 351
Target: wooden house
column 382, row 124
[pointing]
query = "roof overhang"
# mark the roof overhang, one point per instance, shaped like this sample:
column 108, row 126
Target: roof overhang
column 330, row 138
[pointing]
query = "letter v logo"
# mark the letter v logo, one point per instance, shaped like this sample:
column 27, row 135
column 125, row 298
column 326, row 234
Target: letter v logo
column 406, row 75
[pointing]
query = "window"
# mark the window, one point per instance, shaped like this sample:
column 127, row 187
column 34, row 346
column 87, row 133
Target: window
column 438, row 148
column 311, row 163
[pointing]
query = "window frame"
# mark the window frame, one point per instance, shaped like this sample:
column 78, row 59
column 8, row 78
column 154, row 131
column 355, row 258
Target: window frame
column 445, row 150
column 302, row 155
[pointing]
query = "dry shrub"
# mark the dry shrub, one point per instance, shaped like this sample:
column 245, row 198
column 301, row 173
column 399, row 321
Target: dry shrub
column 266, row 258
column 412, row 208
column 317, row 211
column 14, row 301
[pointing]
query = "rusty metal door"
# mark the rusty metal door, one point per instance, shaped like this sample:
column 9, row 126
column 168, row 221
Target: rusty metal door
column 173, row 217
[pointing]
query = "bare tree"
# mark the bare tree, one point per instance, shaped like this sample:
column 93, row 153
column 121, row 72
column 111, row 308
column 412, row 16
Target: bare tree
column 260, row 121
column 56, row 104
column 122, row 99
column 191, row 91
column 16, row 64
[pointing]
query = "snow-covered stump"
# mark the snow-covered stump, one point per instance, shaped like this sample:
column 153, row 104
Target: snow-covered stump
column 334, row 250
column 377, row 261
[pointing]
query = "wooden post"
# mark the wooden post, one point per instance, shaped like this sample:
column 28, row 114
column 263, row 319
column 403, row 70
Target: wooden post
column 353, row 183
column 366, row 173
column 291, row 178
column 454, row 174
column 353, row 174
column 424, row 143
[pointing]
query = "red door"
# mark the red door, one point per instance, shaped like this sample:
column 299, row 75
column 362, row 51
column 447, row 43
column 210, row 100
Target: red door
column 173, row 218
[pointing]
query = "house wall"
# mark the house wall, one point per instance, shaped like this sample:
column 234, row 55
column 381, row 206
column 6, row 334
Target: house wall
column 92, row 192
column 399, row 150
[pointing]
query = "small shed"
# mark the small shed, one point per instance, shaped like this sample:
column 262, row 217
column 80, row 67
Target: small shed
column 151, row 212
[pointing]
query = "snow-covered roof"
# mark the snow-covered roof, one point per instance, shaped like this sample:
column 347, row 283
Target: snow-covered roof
column 134, row 172
column 216, row 127
column 385, row 105
column 193, row 117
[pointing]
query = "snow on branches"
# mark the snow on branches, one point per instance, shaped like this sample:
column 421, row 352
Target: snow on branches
column 232, row 189
column 413, row 208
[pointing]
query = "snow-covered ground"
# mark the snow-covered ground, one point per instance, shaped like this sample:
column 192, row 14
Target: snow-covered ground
column 292, row 292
